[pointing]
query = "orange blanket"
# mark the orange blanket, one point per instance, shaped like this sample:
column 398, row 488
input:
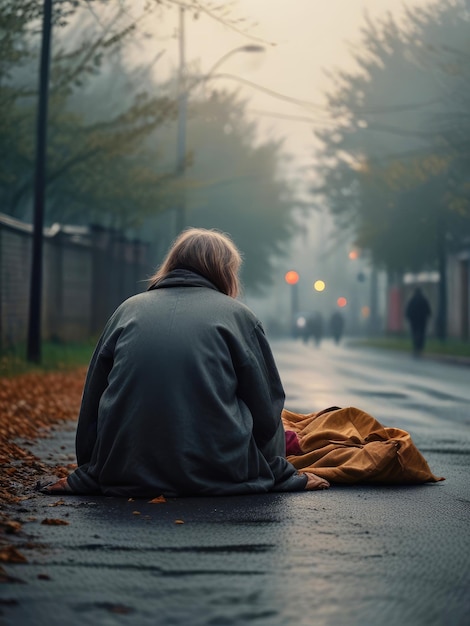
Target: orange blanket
column 350, row 446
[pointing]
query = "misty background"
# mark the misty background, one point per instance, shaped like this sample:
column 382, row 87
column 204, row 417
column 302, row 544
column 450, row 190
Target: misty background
column 327, row 138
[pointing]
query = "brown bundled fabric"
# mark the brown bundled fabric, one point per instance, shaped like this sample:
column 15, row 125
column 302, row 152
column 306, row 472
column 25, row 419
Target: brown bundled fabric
column 350, row 446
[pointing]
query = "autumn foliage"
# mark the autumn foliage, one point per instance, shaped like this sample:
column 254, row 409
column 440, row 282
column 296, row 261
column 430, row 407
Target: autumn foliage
column 30, row 405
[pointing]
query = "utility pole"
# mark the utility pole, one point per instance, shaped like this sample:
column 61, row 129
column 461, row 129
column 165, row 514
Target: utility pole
column 181, row 138
column 183, row 89
column 34, row 329
column 374, row 306
column 441, row 318
column 292, row 278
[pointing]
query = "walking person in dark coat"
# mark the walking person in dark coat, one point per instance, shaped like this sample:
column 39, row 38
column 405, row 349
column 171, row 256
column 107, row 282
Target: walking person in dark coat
column 182, row 395
column 418, row 312
column 336, row 326
column 315, row 327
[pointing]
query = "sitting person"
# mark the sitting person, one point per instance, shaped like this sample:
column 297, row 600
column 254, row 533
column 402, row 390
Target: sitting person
column 182, row 395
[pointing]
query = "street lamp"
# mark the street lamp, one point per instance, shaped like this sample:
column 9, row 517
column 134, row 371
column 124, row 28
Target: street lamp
column 250, row 48
column 182, row 108
column 181, row 131
column 35, row 298
column 353, row 254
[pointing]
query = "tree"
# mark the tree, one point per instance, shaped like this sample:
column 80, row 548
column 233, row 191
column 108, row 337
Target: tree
column 84, row 153
column 234, row 183
column 87, row 151
column 111, row 148
column 393, row 168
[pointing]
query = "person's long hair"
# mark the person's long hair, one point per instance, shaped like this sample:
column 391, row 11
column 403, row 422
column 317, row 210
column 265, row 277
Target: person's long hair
column 210, row 253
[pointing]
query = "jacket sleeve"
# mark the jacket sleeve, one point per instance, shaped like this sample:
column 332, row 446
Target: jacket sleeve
column 95, row 384
column 261, row 390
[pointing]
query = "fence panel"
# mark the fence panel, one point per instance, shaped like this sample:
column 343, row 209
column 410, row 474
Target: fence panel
column 87, row 273
column 15, row 262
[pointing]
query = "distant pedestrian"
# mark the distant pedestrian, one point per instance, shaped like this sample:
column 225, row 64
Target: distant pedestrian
column 336, row 326
column 315, row 327
column 418, row 312
column 182, row 396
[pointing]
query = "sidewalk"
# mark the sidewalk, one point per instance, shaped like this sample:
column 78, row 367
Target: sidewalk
column 356, row 555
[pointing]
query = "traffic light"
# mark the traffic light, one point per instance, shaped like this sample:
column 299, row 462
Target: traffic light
column 291, row 277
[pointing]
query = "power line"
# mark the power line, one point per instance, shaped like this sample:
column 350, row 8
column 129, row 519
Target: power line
column 295, row 118
column 307, row 104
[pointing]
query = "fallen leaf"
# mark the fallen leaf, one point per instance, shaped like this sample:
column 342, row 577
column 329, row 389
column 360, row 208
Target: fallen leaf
column 11, row 526
column 50, row 521
column 179, row 521
column 135, row 512
column 157, row 500
column 9, row 554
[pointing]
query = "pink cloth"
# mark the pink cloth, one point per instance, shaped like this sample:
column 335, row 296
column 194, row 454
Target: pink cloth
column 292, row 443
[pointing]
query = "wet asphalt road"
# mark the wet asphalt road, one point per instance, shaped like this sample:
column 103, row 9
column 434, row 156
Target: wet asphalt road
column 352, row 555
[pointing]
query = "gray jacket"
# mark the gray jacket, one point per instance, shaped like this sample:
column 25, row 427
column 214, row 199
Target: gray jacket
column 182, row 397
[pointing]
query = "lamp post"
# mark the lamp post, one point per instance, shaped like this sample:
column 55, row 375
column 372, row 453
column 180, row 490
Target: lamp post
column 181, row 132
column 34, row 324
column 250, row 48
column 182, row 109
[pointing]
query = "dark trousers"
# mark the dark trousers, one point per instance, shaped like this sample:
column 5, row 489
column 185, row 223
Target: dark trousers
column 418, row 336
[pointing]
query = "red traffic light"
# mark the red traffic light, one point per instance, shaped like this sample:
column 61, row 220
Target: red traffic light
column 291, row 277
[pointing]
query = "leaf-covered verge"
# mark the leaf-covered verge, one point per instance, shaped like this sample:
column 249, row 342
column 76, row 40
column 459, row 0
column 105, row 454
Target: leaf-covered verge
column 31, row 406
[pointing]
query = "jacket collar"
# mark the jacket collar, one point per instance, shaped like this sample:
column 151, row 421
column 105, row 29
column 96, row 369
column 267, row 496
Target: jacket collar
column 184, row 278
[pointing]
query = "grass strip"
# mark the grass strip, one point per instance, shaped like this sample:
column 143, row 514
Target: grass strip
column 55, row 357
